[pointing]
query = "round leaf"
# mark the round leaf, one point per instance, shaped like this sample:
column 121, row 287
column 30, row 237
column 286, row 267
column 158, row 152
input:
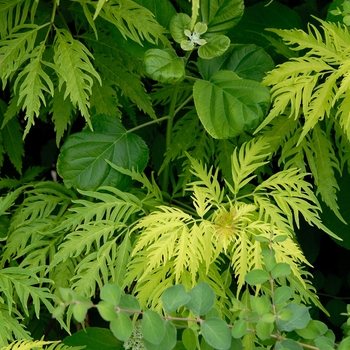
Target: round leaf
column 111, row 293
column 264, row 329
column 107, row 310
column 169, row 340
column 299, row 319
column 282, row 294
column 288, row 344
column 164, row 66
column 324, row 343
column 80, row 310
column 189, row 339
column 260, row 305
column 174, row 297
column 216, row 333
column 256, row 276
column 178, row 24
column 129, row 302
column 227, row 105
column 280, row 270
column 121, row 326
column 202, row 299
column 153, row 327
column 215, row 46
column 82, row 161
column 239, row 329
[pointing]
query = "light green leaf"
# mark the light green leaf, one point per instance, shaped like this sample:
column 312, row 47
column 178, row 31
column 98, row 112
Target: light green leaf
column 31, row 84
column 68, row 295
column 62, row 113
column 216, row 333
column 178, row 24
column 202, row 299
column 111, row 293
column 288, row 344
column 215, row 46
column 16, row 49
column 189, row 339
column 239, row 329
column 130, row 303
column 311, row 331
column 324, row 343
column 256, row 276
column 227, row 105
column 282, row 294
column 164, row 66
column 169, row 339
column 109, row 141
column 344, row 344
column 75, row 71
column 299, row 319
column 80, row 310
column 264, row 329
column 174, row 297
column 133, row 21
column 122, row 259
column 260, row 305
column 107, row 310
column 121, row 326
column 153, row 327
column 281, row 269
column 220, row 16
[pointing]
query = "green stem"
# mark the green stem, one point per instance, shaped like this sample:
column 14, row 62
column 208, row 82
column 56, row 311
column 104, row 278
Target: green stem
column 165, row 182
column 148, row 123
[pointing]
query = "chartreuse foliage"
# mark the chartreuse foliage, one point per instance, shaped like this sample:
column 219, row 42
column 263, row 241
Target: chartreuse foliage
column 166, row 194
column 264, row 320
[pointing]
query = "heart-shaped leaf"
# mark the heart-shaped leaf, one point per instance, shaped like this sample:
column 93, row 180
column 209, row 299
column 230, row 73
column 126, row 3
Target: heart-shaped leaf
column 82, row 161
column 178, row 24
column 228, row 105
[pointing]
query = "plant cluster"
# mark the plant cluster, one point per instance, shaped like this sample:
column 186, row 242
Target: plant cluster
column 182, row 194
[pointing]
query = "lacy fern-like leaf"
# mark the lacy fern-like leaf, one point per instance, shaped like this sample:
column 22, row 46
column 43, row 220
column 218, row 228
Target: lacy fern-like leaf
column 15, row 48
column 133, row 20
column 14, row 13
column 72, row 63
column 40, row 344
column 323, row 162
column 129, row 83
column 249, row 158
column 35, row 83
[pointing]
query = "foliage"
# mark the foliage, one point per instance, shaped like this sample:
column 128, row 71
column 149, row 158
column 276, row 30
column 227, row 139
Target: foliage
column 185, row 170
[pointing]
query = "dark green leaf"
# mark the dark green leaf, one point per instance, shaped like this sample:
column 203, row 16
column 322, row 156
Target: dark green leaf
column 256, row 276
column 221, row 15
column 111, row 293
column 227, row 105
column 202, row 299
column 216, row 333
column 82, row 164
column 299, row 319
column 94, row 338
column 121, row 326
column 169, row 339
column 164, row 66
column 174, row 297
column 153, row 327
